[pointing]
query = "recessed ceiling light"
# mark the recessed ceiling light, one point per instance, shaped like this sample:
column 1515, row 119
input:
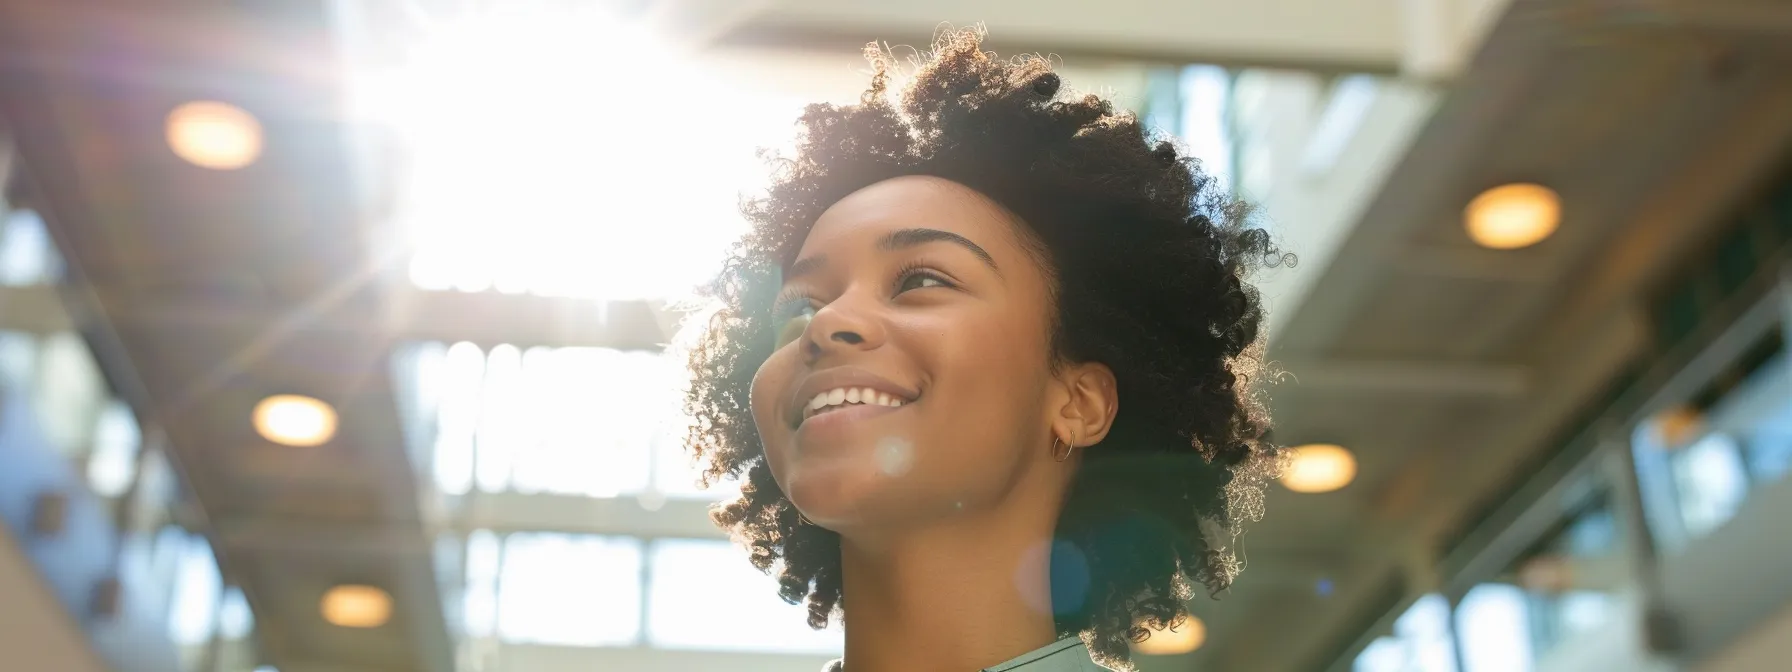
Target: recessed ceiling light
column 1677, row 426
column 354, row 606
column 214, row 135
column 1183, row 638
column 295, row 420
column 1319, row 467
column 1512, row 216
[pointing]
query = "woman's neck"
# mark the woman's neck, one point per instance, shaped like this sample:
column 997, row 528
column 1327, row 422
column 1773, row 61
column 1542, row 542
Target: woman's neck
column 962, row 595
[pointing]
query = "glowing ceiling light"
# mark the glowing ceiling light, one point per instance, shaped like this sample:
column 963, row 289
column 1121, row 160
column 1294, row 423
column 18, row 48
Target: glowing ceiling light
column 354, row 606
column 214, row 135
column 1172, row 641
column 1513, row 216
column 1679, row 425
column 295, row 420
column 1319, row 467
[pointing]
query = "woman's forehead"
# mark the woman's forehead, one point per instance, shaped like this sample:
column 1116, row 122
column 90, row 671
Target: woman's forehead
column 911, row 202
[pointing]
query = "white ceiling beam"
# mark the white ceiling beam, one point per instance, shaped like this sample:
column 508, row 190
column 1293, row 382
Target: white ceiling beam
column 1305, row 34
column 411, row 315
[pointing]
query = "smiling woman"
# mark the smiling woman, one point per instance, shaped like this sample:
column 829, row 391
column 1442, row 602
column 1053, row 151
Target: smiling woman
column 988, row 366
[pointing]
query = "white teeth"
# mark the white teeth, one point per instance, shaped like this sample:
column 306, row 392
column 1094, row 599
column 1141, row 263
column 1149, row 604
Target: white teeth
column 861, row 395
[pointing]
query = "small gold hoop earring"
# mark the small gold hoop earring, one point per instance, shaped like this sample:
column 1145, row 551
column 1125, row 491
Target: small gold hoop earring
column 1068, row 448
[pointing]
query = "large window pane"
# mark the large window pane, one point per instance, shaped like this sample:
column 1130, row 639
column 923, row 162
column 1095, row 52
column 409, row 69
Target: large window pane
column 1420, row 643
column 116, row 440
column 1710, row 479
column 1205, row 126
column 1698, row 461
column 569, row 589
column 197, row 586
column 704, row 595
column 594, row 422
column 1493, row 629
column 1571, row 581
column 27, row 256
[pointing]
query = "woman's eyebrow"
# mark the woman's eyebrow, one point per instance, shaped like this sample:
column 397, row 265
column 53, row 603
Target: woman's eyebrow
column 906, row 238
column 805, row 266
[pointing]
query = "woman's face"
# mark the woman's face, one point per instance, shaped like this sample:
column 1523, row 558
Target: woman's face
column 911, row 375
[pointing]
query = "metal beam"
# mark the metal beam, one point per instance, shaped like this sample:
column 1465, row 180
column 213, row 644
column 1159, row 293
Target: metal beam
column 1472, row 263
column 1408, row 377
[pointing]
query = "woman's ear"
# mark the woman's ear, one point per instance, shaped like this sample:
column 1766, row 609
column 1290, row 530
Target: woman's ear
column 1092, row 399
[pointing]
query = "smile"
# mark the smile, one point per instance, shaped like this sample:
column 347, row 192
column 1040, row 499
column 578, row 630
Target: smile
column 846, row 392
column 843, row 397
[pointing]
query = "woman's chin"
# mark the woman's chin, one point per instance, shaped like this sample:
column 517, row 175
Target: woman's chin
column 835, row 494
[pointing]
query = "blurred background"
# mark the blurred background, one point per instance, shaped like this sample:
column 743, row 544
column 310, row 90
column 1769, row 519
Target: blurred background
column 333, row 334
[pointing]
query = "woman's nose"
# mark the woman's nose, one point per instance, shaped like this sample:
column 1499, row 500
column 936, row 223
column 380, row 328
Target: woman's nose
column 848, row 323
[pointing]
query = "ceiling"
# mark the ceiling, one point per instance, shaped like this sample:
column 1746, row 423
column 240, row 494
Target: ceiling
column 1445, row 365
column 1440, row 363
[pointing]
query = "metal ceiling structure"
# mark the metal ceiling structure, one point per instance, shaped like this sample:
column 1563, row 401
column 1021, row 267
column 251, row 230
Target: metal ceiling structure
column 1442, row 364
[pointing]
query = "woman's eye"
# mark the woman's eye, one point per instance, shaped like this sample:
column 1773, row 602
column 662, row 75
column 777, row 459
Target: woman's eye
column 792, row 322
column 920, row 280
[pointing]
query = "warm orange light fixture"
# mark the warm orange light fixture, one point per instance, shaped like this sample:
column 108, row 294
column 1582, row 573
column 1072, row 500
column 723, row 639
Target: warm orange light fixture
column 1188, row 636
column 1319, row 467
column 1512, row 216
column 1678, row 426
column 295, row 420
column 214, row 135
column 355, row 606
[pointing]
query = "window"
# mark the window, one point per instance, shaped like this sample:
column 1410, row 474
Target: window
column 193, row 612
column 1346, row 108
column 27, row 256
column 592, row 422
column 553, row 588
column 1205, row 124
column 18, row 360
column 1710, row 479
column 235, row 621
column 1493, row 629
column 1420, row 643
column 1698, row 462
column 1572, row 578
column 703, row 594
column 116, row 439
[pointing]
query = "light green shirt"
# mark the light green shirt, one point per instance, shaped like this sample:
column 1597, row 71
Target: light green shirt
column 1065, row 655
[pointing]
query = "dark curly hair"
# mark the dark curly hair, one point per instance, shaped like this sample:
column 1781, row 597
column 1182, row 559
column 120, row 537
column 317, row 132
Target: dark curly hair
column 1149, row 259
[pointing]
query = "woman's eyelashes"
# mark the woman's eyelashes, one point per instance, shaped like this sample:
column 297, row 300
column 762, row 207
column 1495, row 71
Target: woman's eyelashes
column 793, row 310
column 790, row 318
column 913, row 277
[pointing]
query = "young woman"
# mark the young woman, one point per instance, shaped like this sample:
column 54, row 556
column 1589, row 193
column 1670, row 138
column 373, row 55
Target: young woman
column 987, row 365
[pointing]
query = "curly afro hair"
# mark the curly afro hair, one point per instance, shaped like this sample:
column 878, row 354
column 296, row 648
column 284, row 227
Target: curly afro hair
column 1149, row 258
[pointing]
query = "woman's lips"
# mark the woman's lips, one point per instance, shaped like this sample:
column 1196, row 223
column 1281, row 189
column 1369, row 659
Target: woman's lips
column 852, row 385
column 840, row 419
